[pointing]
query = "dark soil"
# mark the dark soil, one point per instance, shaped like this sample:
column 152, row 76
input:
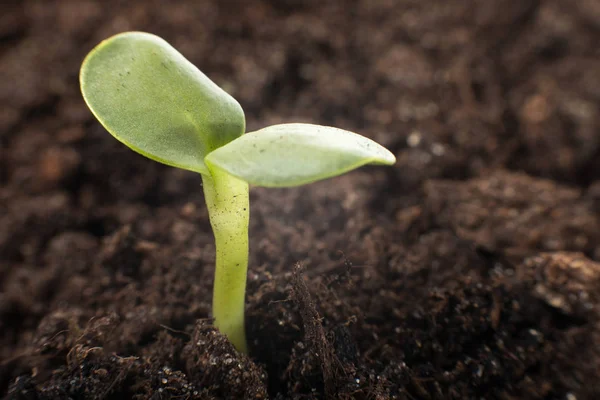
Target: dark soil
column 469, row 270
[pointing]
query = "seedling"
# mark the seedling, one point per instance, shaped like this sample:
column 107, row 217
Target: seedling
column 153, row 100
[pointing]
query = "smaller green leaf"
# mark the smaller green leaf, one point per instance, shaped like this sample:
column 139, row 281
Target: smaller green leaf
column 295, row 154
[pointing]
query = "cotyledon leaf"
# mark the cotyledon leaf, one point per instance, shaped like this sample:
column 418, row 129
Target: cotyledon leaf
column 295, row 154
column 151, row 98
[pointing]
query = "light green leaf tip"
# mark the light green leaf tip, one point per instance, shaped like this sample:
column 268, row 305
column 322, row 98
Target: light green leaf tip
column 295, row 154
column 151, row 98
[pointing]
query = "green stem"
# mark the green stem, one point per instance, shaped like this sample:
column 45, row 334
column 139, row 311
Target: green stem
column 228, row 205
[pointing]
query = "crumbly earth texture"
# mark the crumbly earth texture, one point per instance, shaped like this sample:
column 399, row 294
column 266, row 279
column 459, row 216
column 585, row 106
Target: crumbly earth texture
column 469, row 270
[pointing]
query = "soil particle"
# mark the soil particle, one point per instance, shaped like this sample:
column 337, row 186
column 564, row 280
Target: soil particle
column 315, row 341
column 57, row 165
column 523, row 212
column 565, row 281
column 212, row 362
column 120, row 252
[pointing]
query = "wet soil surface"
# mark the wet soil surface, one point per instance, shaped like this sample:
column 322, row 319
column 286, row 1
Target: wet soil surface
column 469, row 270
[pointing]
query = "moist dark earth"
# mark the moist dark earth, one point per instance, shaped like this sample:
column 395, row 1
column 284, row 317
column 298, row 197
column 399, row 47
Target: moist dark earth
column 469, row 270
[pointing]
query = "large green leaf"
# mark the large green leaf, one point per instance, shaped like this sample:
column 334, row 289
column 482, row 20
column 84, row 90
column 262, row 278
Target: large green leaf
column 294, row 154
column 148, row 96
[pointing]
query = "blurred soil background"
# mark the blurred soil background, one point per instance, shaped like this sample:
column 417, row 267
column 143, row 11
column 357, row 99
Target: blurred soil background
column 469, row 270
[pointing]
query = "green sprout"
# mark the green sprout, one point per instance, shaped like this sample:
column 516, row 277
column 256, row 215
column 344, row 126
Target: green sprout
column 153, row 100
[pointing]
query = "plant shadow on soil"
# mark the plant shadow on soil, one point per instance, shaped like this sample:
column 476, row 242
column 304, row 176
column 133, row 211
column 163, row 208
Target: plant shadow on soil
column 469, row 270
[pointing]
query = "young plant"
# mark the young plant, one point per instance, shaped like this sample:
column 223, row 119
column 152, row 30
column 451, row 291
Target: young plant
column 153, row 100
